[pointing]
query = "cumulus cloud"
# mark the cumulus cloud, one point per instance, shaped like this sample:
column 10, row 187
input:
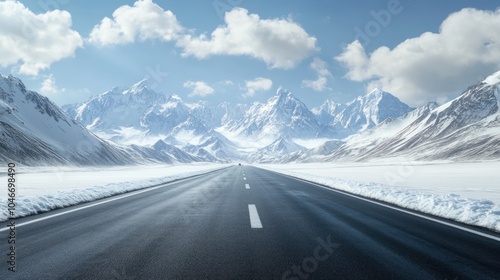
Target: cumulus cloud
column 144, row 21
column 317, row 85
column 281, row 43
column 199, row 88
column 49, row 86
column 433, row 66
column 35, row 40
column 320, row 84
column 258, row 84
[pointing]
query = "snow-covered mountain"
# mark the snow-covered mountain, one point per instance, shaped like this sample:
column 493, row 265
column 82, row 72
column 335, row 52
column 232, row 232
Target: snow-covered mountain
column 212, row 146
column 316, row 154
column 140, row 116
column 149, row 126
column 176, row 153
column 281, row 147
column 283, row 115
column 358, row 145
column 363, row 112
column 218, row 115
column 465, row 128
column 373, row 125
column 327, row 111
column 33, row 130
column 143, row 117
column 118, row 108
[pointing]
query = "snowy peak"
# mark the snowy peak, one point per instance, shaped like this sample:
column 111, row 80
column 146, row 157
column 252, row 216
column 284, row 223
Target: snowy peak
column 282, row 146
column 140, row 87
column 9, row 87
column 193, row 125
column 360, row 114
column 476, row 103
column 282, row 114
column 369, row 110
column 327, row 112
column 15, row 97
column 283, row 92
column 464, row 128
column 118, row 108
column 376, row 93
column 36, row 131
column 283, row 98
column 328, row 107
column 492, row 80
column 376, row 98
column 175, row 99
column 279, row 148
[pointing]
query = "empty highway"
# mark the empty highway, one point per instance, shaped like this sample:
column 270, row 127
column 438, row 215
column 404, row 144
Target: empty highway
column 243, row 222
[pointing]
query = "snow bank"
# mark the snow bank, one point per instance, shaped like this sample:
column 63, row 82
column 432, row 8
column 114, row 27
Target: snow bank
column 477, row 212
column 31, row 205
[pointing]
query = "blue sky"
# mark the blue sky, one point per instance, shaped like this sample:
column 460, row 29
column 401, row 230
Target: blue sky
column 243, row 50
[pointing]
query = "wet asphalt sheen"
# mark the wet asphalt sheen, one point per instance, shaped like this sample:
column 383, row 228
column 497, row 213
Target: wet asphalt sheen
column 244, row 223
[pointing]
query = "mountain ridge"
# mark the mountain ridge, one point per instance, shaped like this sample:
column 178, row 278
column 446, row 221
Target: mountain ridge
column 155, row 127
column 464, row 128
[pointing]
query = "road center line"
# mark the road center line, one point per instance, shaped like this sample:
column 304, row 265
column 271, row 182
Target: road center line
column 247, row 186
column 254, row 216
column 245, row 178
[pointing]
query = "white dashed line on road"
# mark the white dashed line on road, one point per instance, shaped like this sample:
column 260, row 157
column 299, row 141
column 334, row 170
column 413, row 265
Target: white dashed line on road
column 247, row 186
column 254, row 216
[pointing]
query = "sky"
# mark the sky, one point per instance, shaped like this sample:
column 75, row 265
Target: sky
column 242, row 51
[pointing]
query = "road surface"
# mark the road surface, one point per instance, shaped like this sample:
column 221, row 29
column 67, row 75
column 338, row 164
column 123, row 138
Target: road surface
column 244, row 223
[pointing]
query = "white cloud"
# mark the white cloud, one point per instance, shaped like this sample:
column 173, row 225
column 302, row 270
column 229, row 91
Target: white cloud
column 433, row 66
column 200, row 88
column 258, row 84
column 320, row 84
column 320, row 67
column 144, row 21
column 35, row 41
column 281, row 43
column 49, row 86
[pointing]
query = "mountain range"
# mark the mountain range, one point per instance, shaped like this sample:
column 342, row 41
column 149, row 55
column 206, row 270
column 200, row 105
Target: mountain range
column 222, row 132
column 34, row 131
column 465, row 128
column 136, row 124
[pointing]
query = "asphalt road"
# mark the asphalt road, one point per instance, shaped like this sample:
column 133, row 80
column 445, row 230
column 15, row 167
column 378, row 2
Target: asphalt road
column 244, row 223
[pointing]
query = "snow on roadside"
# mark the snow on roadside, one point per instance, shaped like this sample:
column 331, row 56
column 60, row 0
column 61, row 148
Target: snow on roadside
column 477, row 212
column 39, row 203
